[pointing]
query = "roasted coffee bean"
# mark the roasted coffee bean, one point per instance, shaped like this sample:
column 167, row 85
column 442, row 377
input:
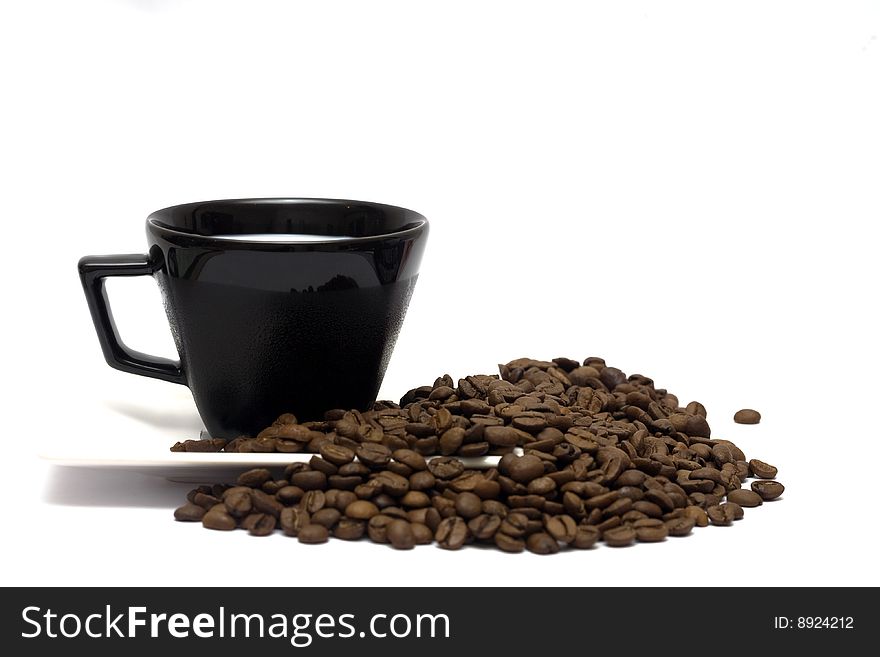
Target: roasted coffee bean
column 293, row 519
column 313, row 534
column 327, row 517
column 747, row 416
column 681, row 526
column 698, row 515
column 238, row 503
column 415, row 499
column 361, row 510
column 337, row 454
column 500, row 436
column 254, row 478
column 410, row 458
column 745, row 497
column 445, row 467
column 563, row 528
column 525, row 468
column 721, row 514
column 696, row 408
column 349, row 529
column 509, row 543
column 373, row 455
column 309, row 480
column 377, row 528
column 650, row 530
column 768, row 490
column 217, row 519
column 206, row 501
column 451, row 533
column 265, row 503
column 400, row 535
column 541, row 486
column 313, row 501
column 422, row 534
column 762, row 470
column 736, row 509
column 585, row 537
column 259, row 524
column 468, row 505
column 189, row 512
column 484, row 526
column 423, row 480
column 620, row 536
column 541, row 543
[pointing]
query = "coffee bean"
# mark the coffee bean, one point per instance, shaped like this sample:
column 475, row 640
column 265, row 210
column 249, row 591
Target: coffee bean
column 681, row 526
column 259, row 524
column 309, row 480
column 451, row 440
column 768, row 490
column 563, row 528
column 541, row 543
column 400, row 535
column 377, row 528
column 745, row 497
column 698, row 515
column 337, row 454
column 650, row 530
column 541, row 486
column 410, row 458
column 585, row 537
column 508, row 543
column 361, row 510
column 373, row 455
column 238, row 503
column 327, row 517
column 313, row 501
column 736, row 509
column 762, row 470
column 720, row 515
column 451, row 533
column 445, row 467
column 264, row 503
column 422, row 481
column 349, row 529
column 484, row 526
column 189, row 512
column 525, row 468
column 254, row 478
column 621, row 536
column 293, row 519
column 747, row 416
column 220, row 520
column 415, row 499
column 313, row 534
column 696, row 408
column 468, row 505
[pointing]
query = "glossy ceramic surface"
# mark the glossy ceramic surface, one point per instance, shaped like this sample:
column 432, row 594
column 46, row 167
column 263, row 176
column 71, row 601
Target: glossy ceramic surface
column 264, row 328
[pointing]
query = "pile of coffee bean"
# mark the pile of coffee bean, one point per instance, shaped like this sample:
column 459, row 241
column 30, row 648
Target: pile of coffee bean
column 587, row 454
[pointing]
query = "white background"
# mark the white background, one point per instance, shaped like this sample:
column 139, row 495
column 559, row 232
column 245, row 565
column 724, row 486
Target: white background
column 689, row 189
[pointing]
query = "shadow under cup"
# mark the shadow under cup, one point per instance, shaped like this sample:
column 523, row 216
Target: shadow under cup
column 275, row 305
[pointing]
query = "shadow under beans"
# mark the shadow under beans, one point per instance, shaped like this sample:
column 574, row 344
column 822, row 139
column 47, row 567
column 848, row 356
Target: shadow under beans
column 66, row 486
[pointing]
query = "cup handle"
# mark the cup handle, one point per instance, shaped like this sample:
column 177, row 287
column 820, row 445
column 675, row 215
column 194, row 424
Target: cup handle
column 92, row 272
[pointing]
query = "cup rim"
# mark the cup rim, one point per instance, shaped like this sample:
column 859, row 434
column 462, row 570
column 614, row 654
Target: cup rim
column 421, row 222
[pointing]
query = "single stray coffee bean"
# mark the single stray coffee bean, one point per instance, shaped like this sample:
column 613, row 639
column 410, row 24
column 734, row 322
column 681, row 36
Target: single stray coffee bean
column 747, row 416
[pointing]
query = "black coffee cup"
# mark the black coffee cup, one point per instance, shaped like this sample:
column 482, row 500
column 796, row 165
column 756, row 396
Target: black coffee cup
column 266, row 323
